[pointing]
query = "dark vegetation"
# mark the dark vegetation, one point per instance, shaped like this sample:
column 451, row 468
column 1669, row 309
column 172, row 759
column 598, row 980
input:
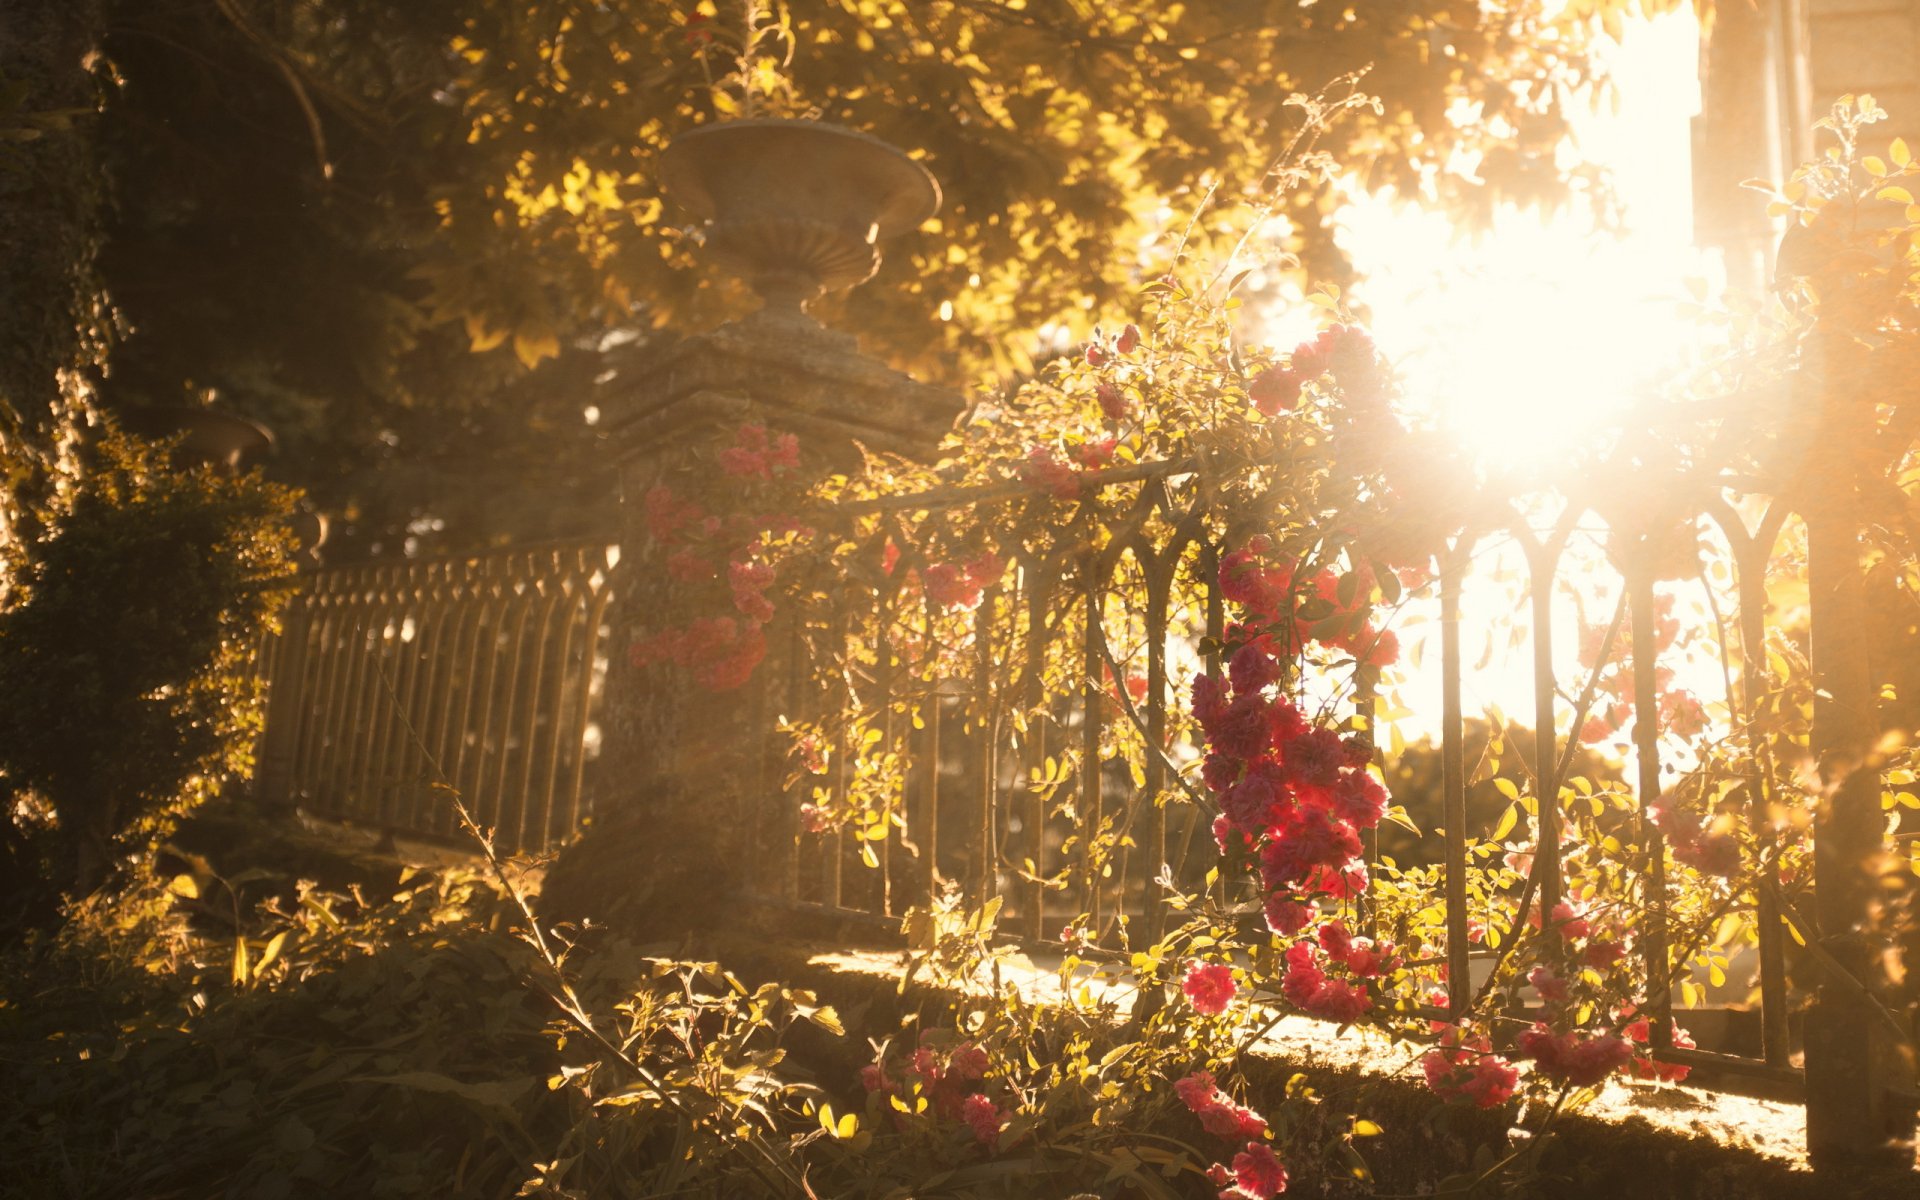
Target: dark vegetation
column 128, row 679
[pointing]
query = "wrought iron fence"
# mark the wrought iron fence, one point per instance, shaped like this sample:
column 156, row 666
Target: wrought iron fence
column 1000, row 782
column 482, row 673
column 1001, row 777
column 485, row 673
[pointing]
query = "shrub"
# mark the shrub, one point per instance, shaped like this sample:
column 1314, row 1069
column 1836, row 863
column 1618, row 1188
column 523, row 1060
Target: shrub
column 126, row 644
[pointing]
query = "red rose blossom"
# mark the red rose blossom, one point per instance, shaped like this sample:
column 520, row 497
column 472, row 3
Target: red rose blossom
column 1209, row 987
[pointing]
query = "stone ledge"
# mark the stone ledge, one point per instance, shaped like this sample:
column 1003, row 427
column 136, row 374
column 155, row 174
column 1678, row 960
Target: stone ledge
column 1649, row 1141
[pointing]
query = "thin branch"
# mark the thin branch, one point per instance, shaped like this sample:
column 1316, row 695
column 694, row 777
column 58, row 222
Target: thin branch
column 294, row 82
column 562, row 995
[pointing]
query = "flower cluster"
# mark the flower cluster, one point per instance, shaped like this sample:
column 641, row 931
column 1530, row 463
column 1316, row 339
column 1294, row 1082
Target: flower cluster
column 1680, row 711
column 1256, row 1174
column 1105, row 357
column 1218, row 1114
column 1209, row 988
column 1711, row 847
column 750, row 581
column 1046, row 474
column 669, row 517
column 958, row 585
column 1574, row 1057
column 1295, row 793
column 755, row 455
column 953, row 1083
column 721, row 652
column 1463, row 1069
column 1309, row 988
column 1290, row 612
column 1345, row 351
column 1643, row 1065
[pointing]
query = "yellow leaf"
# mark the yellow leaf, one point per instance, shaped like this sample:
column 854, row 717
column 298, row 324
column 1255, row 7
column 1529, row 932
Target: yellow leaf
column 1365, row 1128
column 1899, row 195
column 1506, row 787
column 1508, row 820
column 271, row 952
column 240, row 960
column 480, row 338
column 1899, row 153
column 1875, row 166
column 532, row 346
column 184, row 885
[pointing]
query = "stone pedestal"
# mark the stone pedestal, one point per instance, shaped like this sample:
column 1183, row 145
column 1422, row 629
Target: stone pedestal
column 687, row 773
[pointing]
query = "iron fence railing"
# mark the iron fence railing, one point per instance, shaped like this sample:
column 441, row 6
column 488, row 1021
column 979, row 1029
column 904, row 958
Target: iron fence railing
column 484, row 673
column 1000, row 781
column 1000, row 776
column 481, row 673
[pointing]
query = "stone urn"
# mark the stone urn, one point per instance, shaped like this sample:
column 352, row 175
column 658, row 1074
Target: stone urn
column 208, row 436
column 795, row 208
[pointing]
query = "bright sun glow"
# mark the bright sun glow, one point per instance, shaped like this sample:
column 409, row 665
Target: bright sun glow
column 1527, row 338
column 1526, row 342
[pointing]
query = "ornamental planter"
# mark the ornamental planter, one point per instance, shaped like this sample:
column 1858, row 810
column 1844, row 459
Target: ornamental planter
column 796, row 207
column 207, row 435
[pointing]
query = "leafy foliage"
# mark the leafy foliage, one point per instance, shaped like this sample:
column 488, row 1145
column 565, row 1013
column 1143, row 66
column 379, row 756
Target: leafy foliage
column 127, row 685
column 442, row 177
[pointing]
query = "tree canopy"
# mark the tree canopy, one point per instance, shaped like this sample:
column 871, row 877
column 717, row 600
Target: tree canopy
column 364, row 223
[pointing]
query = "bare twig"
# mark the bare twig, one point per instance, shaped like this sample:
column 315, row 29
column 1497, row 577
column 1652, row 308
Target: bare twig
column 561, row 994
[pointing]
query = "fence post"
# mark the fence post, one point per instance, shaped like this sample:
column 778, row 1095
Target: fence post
column 1852, row 1058
column 671, row 820
column 286, row 700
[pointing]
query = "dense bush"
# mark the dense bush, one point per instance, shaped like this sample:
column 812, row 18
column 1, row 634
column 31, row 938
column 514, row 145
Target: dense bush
column 127, row 638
